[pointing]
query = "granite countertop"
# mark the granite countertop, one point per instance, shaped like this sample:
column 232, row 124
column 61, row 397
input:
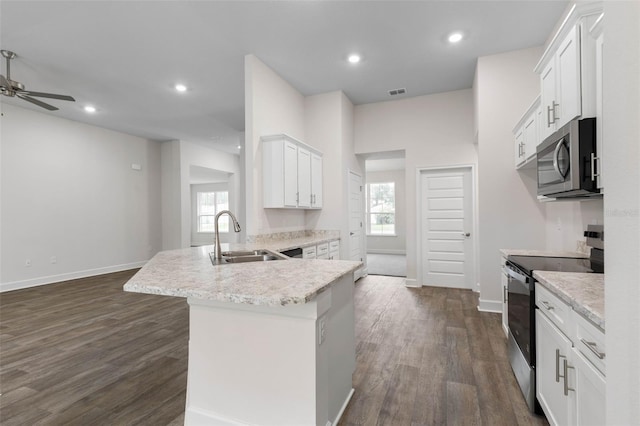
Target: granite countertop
column 189, row 273
column 584, row 292
column 542, row 253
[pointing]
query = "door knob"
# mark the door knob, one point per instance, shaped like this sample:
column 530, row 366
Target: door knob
column 466, row 234
column 351, row 233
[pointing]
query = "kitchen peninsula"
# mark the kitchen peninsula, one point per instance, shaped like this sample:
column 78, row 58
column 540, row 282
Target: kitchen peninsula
column 269, row 342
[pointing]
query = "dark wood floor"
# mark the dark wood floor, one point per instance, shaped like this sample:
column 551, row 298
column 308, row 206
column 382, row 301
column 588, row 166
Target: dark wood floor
column 84, row 352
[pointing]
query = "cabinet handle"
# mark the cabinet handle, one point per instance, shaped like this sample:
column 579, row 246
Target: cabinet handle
column 593, row 347
column 558, row 356
column 546, row 305
column 297, row 197
column 549, row 111
column 566, row 367
column 594, row 175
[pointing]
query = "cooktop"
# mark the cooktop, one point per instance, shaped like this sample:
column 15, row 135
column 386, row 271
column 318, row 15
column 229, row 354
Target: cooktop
column 561, row 264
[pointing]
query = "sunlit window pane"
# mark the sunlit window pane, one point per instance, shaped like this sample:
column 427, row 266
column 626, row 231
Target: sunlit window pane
column 208, row 204
column 381, row 206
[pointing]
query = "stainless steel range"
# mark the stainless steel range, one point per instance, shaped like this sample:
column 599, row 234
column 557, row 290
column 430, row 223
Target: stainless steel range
column 521, row 305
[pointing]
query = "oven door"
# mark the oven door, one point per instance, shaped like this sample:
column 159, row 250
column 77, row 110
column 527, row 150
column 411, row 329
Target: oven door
column 520, row 308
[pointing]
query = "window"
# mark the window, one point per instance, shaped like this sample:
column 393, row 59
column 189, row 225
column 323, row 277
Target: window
column 208, row 205
column 381, row 209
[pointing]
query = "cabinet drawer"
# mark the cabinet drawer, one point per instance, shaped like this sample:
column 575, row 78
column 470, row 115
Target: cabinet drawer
column 309, row 252
column 322, row 249
column 555, row 309
column 589, row 340
column 334, row 245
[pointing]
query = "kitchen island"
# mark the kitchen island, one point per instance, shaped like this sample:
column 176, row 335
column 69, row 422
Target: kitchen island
column 269, row 342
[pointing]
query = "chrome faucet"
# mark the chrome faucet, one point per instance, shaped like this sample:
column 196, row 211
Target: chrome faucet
column 236, row 228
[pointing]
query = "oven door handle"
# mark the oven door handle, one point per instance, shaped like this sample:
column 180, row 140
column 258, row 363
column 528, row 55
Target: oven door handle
column 513, row 274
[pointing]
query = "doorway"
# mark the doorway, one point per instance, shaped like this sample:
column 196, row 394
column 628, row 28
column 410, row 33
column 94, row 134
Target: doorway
column 446, row 222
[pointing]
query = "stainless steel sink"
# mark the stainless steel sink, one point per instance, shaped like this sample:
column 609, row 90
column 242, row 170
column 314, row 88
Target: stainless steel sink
column 245, row 256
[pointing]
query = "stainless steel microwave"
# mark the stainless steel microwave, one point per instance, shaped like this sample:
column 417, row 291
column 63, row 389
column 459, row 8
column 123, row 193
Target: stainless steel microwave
column 566, row 161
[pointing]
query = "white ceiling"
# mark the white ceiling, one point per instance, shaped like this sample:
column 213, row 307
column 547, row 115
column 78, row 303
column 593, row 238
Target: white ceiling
column 125, row 57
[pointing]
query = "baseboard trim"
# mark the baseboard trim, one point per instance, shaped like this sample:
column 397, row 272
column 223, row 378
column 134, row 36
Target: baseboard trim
column 411, row 282
column 51, row 279
column 198, row 416
column 494, row 306
column 344, row 407
column 384, row 251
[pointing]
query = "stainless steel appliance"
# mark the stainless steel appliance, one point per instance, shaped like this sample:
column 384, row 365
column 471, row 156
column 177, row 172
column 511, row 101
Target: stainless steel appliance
column 566, row 161
column 521, row 306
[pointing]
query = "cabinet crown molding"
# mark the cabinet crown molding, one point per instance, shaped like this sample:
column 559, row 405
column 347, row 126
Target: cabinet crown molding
column 579, row 11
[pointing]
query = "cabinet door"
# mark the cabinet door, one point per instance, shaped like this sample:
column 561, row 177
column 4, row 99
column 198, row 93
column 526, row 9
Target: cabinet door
column 552, row 350
column 590, row 388
column 304, row 178
column 568, row 93
column 519, row 146
column 530, row 135
column 548, row 99
column 290, row 174
column 316, row 180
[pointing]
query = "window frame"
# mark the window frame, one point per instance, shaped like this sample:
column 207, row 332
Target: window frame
column 368, row 212
column 215, row 208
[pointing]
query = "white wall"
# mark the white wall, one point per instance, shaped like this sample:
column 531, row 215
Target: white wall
column 396, row 244
column 566, row 222
column 509, row 214
column 177, row 159
column 68, row 190
column 621, row 106
column 329, row 128
column 434, row 130
column 272, row 106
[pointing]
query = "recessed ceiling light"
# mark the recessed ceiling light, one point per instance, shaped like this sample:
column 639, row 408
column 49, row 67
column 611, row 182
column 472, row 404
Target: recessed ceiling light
column 239, row 146
column 455, row 37
column 181, row 87
column 354, row 59
column 90, row 109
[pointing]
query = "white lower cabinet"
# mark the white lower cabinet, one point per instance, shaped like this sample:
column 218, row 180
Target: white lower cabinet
column 334, row 250
column 552, row 351
column 570, row 379
column 326, row 251
column 309, row 252
column 322, row 251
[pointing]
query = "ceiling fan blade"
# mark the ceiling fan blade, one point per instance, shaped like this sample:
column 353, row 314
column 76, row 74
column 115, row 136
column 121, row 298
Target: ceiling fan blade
column 37, row 102
column 47, row 95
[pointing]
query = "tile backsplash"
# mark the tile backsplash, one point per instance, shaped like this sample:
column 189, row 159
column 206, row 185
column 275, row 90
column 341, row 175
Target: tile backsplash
column 280, row 236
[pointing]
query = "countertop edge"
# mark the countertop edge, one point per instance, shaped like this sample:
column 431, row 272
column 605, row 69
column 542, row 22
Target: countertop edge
column 583, row 309
column 542, row 253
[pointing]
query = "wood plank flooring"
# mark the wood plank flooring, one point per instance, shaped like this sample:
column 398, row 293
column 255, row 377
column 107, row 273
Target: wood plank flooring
column 84, row 352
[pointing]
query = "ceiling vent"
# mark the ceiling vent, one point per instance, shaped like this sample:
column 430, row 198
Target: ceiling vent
column 397, row 92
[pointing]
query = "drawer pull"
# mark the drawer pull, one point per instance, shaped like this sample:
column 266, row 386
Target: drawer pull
column 593, row 347
column 546, row 305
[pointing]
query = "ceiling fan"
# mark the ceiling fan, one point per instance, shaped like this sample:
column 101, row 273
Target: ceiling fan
column 13, row 88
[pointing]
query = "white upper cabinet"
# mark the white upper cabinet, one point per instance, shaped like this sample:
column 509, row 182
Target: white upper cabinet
column 567, row 70
column 597, row 34
column 289, row 172
column 527, row 136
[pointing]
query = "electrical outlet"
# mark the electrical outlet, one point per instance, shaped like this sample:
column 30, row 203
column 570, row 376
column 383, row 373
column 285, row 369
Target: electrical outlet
column 53, row 259
column 27, row 263
column 322, row 329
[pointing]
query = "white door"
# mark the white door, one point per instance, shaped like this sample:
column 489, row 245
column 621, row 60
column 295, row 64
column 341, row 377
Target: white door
column 447, row 223
column 568, row 78
column 356, row 249
column 548, row 99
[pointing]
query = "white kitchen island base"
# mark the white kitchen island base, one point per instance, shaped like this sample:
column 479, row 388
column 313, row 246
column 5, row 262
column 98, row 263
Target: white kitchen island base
column 271, row 365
